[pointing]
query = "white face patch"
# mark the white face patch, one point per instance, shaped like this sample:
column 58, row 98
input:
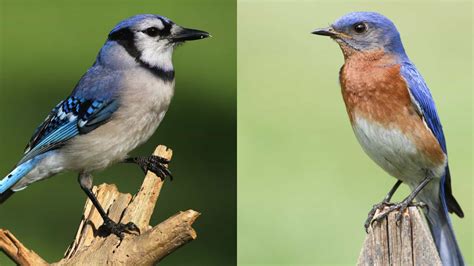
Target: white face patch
column 156, row 54
column 156, row 51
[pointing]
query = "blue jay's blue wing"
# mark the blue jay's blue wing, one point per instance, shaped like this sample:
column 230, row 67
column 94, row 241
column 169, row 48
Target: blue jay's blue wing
column 91, row 104
column 423, row 100
column 100, row 115
column 15, row 175
column 69, row 118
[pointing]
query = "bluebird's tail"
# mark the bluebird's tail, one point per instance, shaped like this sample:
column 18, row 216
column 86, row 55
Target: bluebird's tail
column 13, row 177
column 443, row 234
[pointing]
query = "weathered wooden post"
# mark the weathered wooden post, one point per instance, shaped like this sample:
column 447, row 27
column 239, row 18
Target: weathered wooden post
column 407, row 242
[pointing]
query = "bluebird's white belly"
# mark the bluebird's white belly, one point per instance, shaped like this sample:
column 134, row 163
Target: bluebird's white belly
column 392, row 150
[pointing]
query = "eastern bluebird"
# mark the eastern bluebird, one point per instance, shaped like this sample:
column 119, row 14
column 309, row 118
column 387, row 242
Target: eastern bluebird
column 395, row 120
column 116, row 106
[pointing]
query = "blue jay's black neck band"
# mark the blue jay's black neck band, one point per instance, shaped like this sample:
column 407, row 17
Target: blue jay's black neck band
column 165, row 75
column 125, row 38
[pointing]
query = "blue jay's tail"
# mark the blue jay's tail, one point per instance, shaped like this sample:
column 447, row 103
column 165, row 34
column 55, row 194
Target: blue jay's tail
column 13, row 177
column 443, row 233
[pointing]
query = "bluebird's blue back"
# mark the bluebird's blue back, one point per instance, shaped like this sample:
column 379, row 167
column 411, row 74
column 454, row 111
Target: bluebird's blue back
column 439, row 218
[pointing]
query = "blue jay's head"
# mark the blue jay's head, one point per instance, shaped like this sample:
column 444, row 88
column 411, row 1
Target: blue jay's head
column 364, row 31
column 148, row 39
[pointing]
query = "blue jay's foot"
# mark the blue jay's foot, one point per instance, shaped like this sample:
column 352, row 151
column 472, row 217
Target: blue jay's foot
column 401, row 207
column 155, row 164
column 118, row 229
column 377, row 207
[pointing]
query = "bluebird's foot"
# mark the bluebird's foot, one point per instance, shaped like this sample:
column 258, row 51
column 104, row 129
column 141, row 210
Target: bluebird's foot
column 375, row 208
column 400, row 207
column 118, row 229
column 380, row 206
column 153, row 163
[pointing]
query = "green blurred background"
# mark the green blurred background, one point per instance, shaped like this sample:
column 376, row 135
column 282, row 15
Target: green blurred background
column 45, row 48
column 305, row 185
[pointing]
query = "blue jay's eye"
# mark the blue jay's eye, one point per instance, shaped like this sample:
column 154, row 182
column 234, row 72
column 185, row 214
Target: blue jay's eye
column 153, row 32
column 360, row 27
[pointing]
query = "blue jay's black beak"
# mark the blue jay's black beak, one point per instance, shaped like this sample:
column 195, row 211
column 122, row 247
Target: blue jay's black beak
column 189, row 35
column 329, row 31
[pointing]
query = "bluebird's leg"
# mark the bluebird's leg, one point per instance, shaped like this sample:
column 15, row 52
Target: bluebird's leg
column 385, row 202
column 155, row 164
column 109, row 226
column 408, row 201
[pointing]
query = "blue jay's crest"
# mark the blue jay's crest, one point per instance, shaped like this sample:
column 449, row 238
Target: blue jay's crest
column 152, row 25
column 133, row 22
column 69, row 118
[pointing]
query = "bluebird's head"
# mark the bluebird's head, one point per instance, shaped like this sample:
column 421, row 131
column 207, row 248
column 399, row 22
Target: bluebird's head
column 365, row 31
column 147, row 39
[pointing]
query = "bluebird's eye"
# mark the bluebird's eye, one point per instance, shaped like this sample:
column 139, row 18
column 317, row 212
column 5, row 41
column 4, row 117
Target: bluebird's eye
column 360, row 27
column 153, row 32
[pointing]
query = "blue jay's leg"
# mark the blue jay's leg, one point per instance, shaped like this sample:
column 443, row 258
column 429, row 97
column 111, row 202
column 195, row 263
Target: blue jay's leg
column 155, row 164
column 109, row 226
column 385, row 202
column 408, row 201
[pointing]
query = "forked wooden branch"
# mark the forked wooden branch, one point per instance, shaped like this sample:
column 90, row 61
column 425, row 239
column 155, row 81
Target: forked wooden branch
column 148, row 248
column 408, row 242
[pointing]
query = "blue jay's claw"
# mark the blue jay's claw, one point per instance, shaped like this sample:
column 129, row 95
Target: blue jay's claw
column 118, row 229
column 155, row 164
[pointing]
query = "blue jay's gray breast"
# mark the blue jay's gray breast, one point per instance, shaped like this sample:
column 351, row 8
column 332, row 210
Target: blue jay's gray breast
column 144, row 100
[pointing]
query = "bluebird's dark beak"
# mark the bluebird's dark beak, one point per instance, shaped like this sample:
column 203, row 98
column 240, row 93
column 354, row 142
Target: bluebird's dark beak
column 329, row 31
column 189, row 35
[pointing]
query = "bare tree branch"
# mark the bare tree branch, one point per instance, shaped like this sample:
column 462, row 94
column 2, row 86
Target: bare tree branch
column 148, row 248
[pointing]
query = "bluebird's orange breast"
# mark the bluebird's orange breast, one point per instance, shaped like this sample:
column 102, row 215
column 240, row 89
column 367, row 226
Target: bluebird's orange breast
column 374, row 90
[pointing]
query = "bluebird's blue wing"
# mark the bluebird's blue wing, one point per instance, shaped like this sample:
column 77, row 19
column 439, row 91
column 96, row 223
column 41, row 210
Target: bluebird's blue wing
column 69, row 118
column 423, row 100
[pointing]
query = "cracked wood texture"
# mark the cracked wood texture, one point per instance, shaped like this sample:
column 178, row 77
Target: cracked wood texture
column 148, row 248
column 407, row 243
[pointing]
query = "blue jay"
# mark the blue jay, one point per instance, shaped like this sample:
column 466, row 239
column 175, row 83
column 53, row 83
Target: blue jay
column 116, row 106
